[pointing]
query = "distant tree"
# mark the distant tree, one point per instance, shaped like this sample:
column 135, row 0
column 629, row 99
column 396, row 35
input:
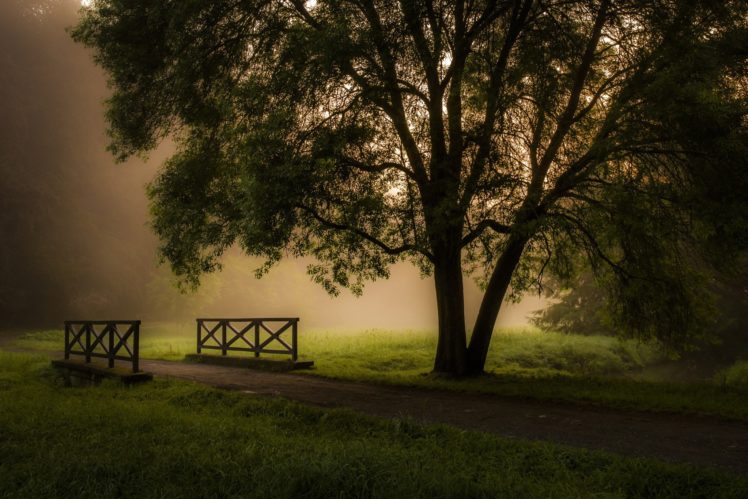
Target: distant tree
column 488, row 137
column 732, row 318
column 577, row 309
column 582, row 306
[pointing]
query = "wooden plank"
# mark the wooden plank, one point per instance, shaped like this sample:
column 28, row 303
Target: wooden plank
column 77, row 335
column 246, row 319
column 101, row 323
column 136, row 349
column 104, row 356
column 199, row 325
column 99, row 337
column 125, row 375
column 122, row 340
column 251, row 362
column 257, row 339
column 111, row 351
column 295, row 342
column 211, row 334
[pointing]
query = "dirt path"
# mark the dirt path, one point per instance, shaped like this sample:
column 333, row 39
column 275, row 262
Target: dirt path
column 698, row 440
column 680, row 438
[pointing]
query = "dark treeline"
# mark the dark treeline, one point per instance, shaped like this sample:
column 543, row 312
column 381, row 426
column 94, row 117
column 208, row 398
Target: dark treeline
column 72, row 239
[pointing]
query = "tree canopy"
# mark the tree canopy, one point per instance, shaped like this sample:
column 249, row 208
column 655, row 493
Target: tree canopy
column 501, row 139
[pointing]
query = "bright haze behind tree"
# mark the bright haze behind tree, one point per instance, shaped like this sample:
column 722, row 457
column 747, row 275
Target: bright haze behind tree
column 497, row 138
column 76, row 241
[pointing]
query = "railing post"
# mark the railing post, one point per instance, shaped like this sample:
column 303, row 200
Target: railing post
column 67, row 341
column 136, row 347
column 294, row 339
column 88, row 327
column 111, row 328
column 199, row 326
column 257, row 338
column 224, row 348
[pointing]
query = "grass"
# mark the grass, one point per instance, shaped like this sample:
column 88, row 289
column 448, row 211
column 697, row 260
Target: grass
column 735, row 376
column 169, row 341
column 369, row 352
column 522, row 362
column 176, row 439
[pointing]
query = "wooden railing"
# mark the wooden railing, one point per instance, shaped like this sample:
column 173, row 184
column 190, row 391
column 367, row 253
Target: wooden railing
column 104, row 339
column 257, row 335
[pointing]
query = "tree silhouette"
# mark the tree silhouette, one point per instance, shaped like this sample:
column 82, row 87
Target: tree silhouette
column 488, row 137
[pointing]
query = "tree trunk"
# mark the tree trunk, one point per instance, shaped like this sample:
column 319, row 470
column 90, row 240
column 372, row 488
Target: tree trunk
column 491, row 304
column 451, row 351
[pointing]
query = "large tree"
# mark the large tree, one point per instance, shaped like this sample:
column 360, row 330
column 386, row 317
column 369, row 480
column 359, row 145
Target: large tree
column 495, row 138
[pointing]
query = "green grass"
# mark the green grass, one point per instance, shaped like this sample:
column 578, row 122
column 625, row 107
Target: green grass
column 735, row 376
column 513, row 350
column 176, row 439
column 167, row 341
column 369, row 352
column 522, row 362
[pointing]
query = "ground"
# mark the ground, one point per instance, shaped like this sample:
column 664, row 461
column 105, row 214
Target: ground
column 697, row 439
column 682, row 438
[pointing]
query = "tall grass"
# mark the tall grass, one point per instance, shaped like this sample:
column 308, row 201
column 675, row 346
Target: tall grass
column 176, row 439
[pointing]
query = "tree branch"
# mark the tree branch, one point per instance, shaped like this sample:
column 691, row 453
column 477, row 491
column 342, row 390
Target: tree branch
column 397, row 110
column 497, row 227
column 595, row 246
column 567, row 117
column 519, row 16
column 378, row 168
column 429, row 62
column 404, row 248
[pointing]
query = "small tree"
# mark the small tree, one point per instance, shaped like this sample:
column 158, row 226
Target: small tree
column 582, row 307
column 489, row 137
column 579, row 309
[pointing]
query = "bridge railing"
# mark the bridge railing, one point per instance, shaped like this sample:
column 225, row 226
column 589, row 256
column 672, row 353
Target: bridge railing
column 111, row 340
column 254, row 334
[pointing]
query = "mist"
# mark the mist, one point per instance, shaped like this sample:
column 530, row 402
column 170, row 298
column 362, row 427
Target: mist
column 74, row 224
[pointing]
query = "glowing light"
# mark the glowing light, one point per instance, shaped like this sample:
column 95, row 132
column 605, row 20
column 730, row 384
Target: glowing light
column 310, row 4
column 87, row 3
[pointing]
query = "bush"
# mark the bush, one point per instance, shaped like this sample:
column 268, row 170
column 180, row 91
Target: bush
column 735, row 376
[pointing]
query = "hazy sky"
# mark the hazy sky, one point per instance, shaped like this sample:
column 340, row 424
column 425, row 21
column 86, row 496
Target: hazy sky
column 74, row 224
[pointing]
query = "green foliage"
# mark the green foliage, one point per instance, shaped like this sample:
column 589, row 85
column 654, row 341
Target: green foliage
column 363, row 133
column 735, row 376
column 176, row 439
column 585, row 308
column 577, row 310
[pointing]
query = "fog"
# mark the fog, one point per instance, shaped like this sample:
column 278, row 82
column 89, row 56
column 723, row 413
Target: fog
column 75, row 239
